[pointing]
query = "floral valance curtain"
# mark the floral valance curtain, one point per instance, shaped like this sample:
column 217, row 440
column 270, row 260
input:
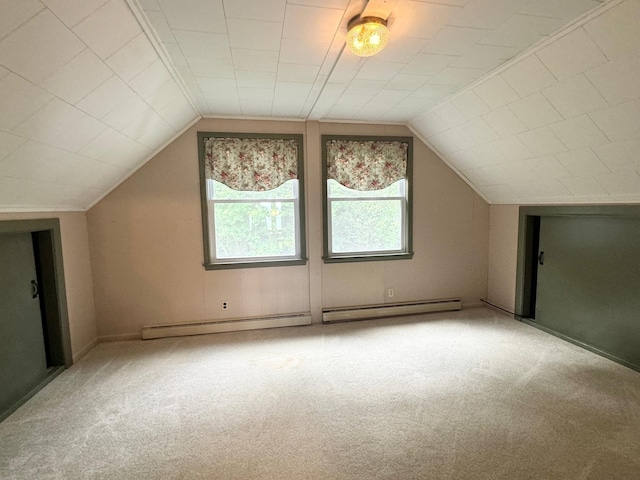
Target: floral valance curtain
column 251, row 164
column 366, row 165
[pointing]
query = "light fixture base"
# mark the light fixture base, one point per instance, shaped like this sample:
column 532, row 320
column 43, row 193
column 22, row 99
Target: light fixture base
column 367, row 36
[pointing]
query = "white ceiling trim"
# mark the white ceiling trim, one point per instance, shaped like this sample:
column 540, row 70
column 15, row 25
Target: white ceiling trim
column 243, row 117
column 29, row 209
column 448, row 164
column 362, row 122
column 144, row 162
column 577, row 23
column 563, row 201
column 358, row 88
column 137, row 11
column 549, row 39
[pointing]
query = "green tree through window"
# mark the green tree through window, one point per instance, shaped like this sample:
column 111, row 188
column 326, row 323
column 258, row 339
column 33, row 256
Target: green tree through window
column 367, row 199
column 252, row 199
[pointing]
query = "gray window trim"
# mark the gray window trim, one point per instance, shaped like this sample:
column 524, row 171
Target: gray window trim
column 363, row 257
column 204, row 207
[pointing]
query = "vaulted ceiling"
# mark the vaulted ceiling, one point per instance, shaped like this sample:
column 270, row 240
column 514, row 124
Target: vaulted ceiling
column 528, row 100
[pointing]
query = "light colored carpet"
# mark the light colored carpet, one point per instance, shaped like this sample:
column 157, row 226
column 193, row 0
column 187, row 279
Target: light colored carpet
column 466, row 395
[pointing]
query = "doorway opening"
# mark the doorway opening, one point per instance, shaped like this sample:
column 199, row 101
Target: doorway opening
column 578, row 274
column 35, row 343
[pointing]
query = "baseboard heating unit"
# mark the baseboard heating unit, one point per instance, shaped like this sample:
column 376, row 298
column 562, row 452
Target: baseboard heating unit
column 227, row 325
column 347, row 314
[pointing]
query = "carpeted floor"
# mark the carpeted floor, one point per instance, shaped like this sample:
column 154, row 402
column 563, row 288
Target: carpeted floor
column 465, row 395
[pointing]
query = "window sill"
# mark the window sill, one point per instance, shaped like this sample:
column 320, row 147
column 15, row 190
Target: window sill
column 367, row 258
column 258, row 264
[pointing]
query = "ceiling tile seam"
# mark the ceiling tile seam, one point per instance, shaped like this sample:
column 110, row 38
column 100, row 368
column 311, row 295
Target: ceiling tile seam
column 590, row 82
column 152, row 36
column 135, row 119
column 235, row 78
column 485, row 44
column 143, row 162
column 448, row 163
column 596, row 44
column 79, row 39
column 31, row 139
column 100, row 120
column 598, row 127
column 477, row 189
column 47, row 144
column 277, row 60
column 44, row 7
column 80, row 20
column 30, row 176
column 508, row 107
column 325, row 82
column 302, row 115
column 74, row 106
column 595, row 177
column 54, row 95
column 318, row 92
column 539, row 16
column 333, row 67
column 545, row 41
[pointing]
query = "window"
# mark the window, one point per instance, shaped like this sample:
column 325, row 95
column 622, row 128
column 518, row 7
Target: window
column 252, row 199
column 367, row 198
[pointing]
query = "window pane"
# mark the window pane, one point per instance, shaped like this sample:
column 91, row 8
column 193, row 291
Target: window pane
column 222, row 192
column 366, row 226
column 249, row 230
column 336, row 190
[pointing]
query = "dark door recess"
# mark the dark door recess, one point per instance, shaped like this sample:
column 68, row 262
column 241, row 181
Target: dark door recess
column 588, row 282
column 23, row 359
column 34, row 325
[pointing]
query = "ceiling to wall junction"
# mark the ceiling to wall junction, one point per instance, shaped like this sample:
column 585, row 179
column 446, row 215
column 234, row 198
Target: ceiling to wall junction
column 91, row 89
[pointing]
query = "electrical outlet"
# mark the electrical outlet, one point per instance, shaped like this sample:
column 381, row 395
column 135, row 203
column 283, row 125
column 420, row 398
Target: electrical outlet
column 225, row 305
column 391, row 292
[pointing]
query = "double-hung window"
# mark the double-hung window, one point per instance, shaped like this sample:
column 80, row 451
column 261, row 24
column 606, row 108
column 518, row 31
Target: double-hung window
column 252, row 199
column 367, row 198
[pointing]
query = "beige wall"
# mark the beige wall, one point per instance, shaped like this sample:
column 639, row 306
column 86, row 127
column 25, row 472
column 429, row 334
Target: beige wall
column 450, row 239
column 78, row 279
column 147, row 253
column 503, row 249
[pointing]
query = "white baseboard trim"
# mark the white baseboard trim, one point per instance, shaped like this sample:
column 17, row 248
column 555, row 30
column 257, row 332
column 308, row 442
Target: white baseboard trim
column 368, row 312
column 121, row 337
column 221, row 326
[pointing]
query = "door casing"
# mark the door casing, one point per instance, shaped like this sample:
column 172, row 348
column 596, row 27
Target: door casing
column 526, row 272
column 47, row 242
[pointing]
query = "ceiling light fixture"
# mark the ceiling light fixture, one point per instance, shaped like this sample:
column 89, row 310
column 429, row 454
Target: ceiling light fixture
column 367, row 36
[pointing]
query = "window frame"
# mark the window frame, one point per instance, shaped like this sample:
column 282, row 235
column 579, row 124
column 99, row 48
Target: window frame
column 208, row 226
column 407, row 233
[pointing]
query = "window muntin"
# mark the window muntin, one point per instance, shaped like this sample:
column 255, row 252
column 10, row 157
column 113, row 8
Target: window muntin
column 252, row 199
column 254, row 225
column 367, row 198
column 366, row 222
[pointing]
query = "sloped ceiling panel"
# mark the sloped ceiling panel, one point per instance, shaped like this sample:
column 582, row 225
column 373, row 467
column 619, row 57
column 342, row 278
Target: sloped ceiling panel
column 84, row 99
column 561, row 124
column 285, row 58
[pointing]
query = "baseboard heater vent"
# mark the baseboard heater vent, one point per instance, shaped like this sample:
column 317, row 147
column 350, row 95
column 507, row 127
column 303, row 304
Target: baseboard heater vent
column 347, row 314
column 228, row 325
